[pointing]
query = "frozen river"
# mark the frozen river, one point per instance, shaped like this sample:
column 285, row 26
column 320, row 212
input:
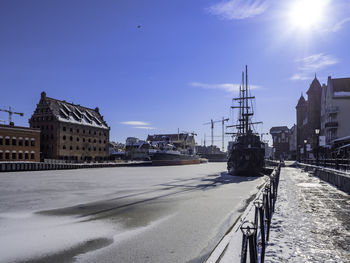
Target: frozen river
column 126, row 214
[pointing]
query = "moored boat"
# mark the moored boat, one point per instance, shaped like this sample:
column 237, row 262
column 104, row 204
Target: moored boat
column 247, row 152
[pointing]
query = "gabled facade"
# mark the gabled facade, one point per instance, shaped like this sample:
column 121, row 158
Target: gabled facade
column 70, row 132
column 280, row 137
column 308, row 118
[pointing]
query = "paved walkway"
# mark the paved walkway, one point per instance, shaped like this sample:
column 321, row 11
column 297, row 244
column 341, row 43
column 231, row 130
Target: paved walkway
column 311, row 222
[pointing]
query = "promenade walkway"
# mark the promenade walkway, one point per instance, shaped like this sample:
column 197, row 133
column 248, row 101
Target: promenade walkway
column 311, row 221
column 310, row 224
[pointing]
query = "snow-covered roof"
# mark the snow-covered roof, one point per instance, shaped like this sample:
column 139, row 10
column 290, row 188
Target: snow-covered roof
column 341, row 94
column 75, row 114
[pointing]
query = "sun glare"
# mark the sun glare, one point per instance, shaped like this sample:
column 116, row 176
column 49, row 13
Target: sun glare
column 307, row 14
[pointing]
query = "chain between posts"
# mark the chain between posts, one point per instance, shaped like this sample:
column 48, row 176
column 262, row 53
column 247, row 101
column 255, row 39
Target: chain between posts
column 256, row 234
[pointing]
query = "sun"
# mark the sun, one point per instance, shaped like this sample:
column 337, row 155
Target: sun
column 307, row 14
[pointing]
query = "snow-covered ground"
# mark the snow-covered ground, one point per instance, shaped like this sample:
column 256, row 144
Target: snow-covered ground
column 311, row 222
column 126, row 214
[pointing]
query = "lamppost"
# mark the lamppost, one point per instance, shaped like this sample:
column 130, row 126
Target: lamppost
column 317, row 132
column 305, row 142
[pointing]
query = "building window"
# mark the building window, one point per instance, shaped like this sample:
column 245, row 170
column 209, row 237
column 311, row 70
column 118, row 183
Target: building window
column 26, row 142
column 99, row 149
column 32, row 142
column 89, row 149
column 71, row 130
column 1, row 141
column 77, row 130
column 83, row 139
column 64, row 147
column 89, row 140
column 64, row 128
column 51, row 136
column 77, row 139
column 84, row 131
column 20, row 156
column 1, row 155
column 94, row 149
column 70, row 148
column 7, row 156
column 14, row 157
column 71, row 138
column 94, row 132
column 26, row 156
column 99, row 141
column 20, row 141
column 83, row 148
column 94, row 140
column 104, row 141
column 51, row 127
column 7, row 141
column 89, row 132
column 14, row 141
column 64, row 137
column 77, row 148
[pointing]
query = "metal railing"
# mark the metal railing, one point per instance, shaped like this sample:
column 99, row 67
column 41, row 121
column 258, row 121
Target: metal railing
column 338, row 164
column 256, row 233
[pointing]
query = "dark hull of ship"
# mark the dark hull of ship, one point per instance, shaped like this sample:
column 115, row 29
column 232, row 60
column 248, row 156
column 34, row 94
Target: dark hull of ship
column 246, row 162
column 159, row 159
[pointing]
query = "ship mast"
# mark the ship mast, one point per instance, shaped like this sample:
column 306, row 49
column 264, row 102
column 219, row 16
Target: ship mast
column 244, row 121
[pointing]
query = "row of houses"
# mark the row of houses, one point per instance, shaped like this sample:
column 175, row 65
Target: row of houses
column 322, row 128
column 58, row 131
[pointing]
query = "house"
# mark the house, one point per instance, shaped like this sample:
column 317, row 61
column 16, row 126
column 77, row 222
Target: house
column 69, row 131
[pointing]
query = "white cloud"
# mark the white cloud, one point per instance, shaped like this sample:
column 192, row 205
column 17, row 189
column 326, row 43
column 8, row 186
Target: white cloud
column 227, row 87
column 135, row 123
column 144, row 127
column 299, row 76
column 238, row 9
column 312, row 64
column 338, row 26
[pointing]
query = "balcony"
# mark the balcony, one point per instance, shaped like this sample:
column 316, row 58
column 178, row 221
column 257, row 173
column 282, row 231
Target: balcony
column 331, row 125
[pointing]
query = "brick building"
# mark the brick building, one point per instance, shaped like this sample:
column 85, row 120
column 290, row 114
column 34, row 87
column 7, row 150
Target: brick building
column 308, row 119
column 19, row 143
column 70, row 132
column 280, row 136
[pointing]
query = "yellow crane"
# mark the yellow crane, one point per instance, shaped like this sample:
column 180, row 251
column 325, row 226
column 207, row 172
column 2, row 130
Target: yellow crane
column 10, row 112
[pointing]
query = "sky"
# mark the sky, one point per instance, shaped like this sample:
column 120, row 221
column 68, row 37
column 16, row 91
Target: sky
column 160, row 66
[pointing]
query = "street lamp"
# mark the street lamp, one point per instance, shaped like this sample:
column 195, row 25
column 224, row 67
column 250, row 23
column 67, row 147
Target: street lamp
column 317, row 132
column 305, row 142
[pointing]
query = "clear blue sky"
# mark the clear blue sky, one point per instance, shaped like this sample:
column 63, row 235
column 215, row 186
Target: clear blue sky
column 179, row 69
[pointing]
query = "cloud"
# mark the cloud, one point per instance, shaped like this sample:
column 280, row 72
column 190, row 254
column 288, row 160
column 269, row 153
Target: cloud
column 133, row 123
column 145, row 127
column 299, row 76
column 312, row 64
column 238, row 9
column 227, row 87
column 338, row 25
column 139, row 125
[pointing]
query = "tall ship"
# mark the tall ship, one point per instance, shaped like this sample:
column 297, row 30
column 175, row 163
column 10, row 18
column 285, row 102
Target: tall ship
column 246, row 153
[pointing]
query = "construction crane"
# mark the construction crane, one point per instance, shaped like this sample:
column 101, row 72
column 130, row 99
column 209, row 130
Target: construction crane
column 10, row 112
column 212, row 131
